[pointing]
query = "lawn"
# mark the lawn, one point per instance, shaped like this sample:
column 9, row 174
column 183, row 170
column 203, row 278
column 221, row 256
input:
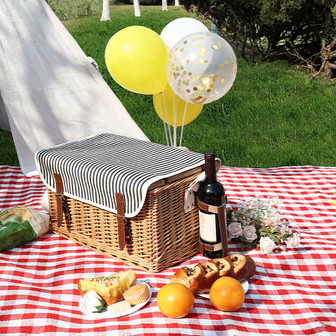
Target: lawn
column 272, row 116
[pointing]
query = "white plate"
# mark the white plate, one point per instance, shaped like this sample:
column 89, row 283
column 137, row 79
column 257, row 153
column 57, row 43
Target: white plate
column 103, row 314
column 245, row 285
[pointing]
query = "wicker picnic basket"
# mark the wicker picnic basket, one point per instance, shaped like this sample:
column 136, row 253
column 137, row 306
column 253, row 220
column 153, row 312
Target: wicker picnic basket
column 161, row 232
column 161, row 235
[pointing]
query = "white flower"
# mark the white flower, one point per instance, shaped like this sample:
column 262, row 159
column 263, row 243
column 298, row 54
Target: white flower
column 250, row 233
column 293, row 241
column 270, row 221
column 267, row 245
column 235, row 230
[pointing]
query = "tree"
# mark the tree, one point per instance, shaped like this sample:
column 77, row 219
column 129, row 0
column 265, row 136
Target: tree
column 164, row 5
column 106, row 11
column 177, row 3
column 137, row 11
column 296, row 30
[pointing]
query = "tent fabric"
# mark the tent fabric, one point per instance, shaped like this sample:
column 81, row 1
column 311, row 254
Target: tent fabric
column 51, row 91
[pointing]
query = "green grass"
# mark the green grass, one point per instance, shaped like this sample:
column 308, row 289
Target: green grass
column 7, row 149
column 272, row 116
column 65, row 9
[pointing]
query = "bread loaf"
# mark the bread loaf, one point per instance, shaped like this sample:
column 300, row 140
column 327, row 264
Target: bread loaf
column 201, row 277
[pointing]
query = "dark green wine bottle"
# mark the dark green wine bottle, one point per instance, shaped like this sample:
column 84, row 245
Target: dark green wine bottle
column 211, row 192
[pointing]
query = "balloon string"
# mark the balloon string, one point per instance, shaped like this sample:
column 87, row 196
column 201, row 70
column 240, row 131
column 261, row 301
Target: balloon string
column 164, row 124
column 184, row 115
column 165, row 129
column 167, row 116
column 175, row 107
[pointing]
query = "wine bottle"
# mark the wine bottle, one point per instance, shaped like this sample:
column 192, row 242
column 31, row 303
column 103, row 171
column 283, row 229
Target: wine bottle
column 211, row 201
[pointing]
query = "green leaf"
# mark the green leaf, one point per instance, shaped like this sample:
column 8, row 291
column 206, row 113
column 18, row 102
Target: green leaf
column 100, row 306
column 273, row 237
column 287, row 235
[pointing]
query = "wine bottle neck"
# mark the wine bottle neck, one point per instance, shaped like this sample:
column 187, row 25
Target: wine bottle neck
column 210, row 178
column 210, row 166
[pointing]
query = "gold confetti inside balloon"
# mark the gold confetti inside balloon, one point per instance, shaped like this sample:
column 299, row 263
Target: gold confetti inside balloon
column 201, row 68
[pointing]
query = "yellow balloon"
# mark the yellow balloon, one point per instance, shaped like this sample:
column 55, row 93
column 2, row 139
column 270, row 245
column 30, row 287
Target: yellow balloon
column 136, row 57
column 171, row 108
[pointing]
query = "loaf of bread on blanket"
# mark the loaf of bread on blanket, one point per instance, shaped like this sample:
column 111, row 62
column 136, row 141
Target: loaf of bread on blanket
column 201, row 277
column 110, row 288
column 198, row 278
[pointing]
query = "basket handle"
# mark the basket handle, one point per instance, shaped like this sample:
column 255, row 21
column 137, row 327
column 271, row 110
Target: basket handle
column 60, row 201
column 124, row 233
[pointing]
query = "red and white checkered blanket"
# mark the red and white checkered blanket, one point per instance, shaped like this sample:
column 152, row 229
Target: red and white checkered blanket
column 292, row 293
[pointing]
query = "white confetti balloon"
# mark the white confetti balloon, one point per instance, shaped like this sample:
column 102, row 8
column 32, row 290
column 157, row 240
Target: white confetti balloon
column 201, row 68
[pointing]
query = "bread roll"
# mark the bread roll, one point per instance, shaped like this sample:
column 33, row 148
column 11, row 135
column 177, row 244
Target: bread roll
column 110, row 288
column 224, row 265
column 193, row 278
column 243, row 266
column 211, row 274
column 137, row 294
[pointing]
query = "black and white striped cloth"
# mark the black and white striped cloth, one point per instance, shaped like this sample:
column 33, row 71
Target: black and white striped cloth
column 95, row 168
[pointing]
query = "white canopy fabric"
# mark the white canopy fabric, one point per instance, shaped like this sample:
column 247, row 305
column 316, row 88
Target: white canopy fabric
column 51, row 92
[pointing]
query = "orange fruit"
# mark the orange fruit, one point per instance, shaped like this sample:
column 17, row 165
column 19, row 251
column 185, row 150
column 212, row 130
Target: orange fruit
column 227, row 294
column 175, row 300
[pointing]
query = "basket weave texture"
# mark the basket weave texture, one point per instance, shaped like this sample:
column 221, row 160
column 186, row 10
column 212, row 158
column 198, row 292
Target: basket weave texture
column 162, row 233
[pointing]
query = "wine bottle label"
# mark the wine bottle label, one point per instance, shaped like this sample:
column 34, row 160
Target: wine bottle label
column 207, row 227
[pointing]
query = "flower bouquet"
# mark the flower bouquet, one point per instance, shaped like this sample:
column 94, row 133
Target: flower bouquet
column 257, row 223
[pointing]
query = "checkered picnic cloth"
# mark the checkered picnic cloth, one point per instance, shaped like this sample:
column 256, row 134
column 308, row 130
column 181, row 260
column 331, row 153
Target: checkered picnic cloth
column 292, row 293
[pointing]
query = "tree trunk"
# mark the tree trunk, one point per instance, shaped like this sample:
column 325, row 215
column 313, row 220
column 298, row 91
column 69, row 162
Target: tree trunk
column 137, row 11
column 164, row 5
column 177, row 3
column 106, row 11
